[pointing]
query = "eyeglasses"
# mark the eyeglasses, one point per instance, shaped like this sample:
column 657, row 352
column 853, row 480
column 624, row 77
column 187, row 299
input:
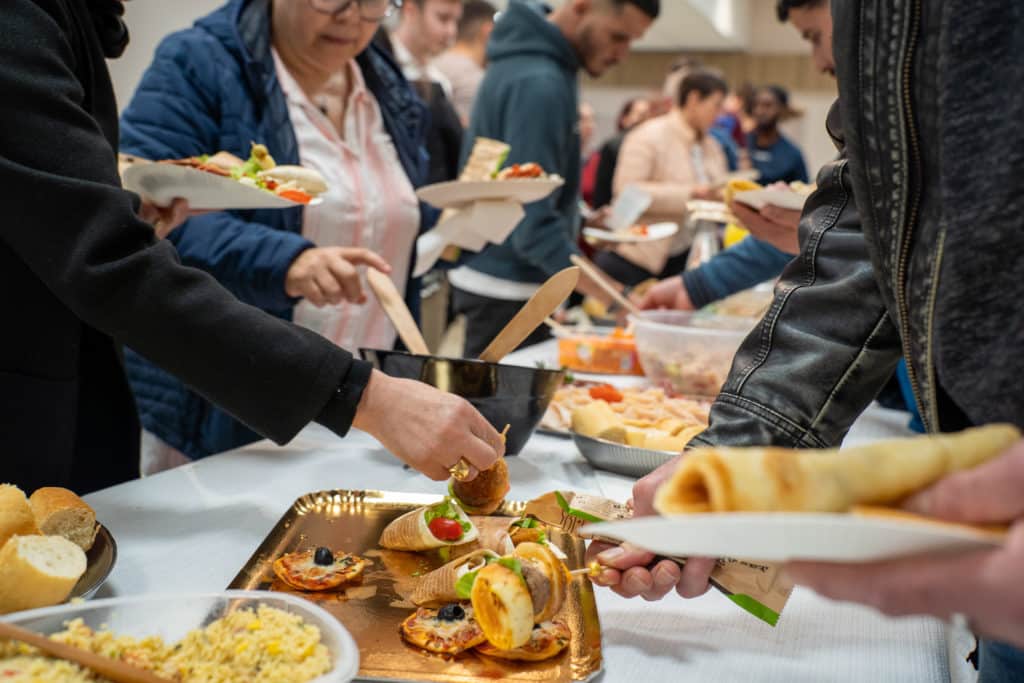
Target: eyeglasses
column 369, row 10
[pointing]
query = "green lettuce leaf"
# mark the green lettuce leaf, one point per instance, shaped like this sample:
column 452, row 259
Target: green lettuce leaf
column 464, row 586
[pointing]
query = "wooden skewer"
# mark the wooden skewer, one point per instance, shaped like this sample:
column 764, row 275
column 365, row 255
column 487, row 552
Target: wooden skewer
column 592, row 570
column 116, row 671
column 601, row 280
column 504, row 433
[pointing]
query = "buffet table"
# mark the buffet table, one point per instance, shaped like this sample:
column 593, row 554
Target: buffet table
column 191, row 529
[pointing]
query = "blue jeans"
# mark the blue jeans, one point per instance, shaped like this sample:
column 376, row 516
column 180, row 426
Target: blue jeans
column 1000, row 663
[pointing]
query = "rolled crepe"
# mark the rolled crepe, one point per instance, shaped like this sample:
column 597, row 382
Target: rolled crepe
column 438, row 587
column 410, row 532
column 778, row 479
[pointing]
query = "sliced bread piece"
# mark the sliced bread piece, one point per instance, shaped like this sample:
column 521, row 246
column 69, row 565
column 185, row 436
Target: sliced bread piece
column 59, row 512
column 38, row 571
column 15, row 513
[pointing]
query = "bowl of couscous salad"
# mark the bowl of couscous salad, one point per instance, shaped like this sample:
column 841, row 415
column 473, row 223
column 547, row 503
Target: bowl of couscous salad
column 227, row 637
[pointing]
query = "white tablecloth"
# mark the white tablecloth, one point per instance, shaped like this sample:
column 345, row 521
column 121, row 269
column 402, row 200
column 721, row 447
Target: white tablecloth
column 191, row 529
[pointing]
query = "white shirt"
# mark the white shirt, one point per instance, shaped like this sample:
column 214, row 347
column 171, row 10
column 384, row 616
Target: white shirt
column 369, row 202
column 482, row 284
column 414, row 71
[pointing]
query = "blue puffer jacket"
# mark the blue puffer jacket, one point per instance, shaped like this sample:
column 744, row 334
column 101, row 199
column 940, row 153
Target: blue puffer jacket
column 213, row 87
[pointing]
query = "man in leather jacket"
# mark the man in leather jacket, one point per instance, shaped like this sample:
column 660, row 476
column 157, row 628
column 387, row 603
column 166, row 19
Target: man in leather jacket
column 910, row 249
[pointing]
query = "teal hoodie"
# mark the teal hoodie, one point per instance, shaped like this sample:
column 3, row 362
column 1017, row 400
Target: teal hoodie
column 529, row 99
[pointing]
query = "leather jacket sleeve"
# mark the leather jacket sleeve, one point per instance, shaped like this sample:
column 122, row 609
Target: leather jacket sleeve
column 827, row 345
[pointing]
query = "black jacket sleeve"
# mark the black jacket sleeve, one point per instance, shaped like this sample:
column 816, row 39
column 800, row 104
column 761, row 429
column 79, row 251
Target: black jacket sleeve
column 827, row 345
column 68, row 221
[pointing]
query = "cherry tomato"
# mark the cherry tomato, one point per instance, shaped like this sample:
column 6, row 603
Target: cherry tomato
column 445, row 529
column 605, row 392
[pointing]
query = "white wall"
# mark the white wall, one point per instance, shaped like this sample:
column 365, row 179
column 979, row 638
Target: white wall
column 768, row 35
column 149, row 21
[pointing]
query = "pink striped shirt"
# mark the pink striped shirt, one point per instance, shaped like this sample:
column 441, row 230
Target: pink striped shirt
column 370, row 202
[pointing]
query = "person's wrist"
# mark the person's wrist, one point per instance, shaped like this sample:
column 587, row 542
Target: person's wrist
column 366, row 410
column 341, row 412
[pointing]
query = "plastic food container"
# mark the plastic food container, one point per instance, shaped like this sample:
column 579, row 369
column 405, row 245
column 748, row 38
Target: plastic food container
column 687, row 353
column 611, row 354
column 172, row 616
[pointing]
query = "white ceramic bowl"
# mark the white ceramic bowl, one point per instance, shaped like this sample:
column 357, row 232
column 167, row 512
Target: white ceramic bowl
column 172, row 616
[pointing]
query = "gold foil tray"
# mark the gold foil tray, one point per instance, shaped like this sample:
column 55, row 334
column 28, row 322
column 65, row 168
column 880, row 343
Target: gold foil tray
column 353, row 521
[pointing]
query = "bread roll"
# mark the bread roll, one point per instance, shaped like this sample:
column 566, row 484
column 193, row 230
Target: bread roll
column 59, row 512
column 38, row 571
column 308, row 179
column 15, row 513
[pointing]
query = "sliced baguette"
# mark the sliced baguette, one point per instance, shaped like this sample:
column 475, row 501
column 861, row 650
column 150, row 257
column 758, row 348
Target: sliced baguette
column 16, row 516
column 59, row 512
column 38, row 571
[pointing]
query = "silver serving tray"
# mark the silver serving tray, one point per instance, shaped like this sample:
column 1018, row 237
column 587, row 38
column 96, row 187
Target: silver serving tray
column 620, row 459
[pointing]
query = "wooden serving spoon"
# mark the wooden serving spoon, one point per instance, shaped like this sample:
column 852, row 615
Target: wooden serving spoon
column 116, row 671
column 394, row 306
column 543, row 303
column 601, row 280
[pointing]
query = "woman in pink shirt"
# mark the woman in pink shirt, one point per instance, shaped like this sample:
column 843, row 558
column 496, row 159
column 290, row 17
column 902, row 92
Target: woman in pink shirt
column 301, row 77
column 673, row 159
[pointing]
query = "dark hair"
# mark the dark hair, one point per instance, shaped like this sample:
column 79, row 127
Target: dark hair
column 626, row 110
column 703, row 82
column 475, row 14
column 782, row 7
column 778, row 92
column 651, row 8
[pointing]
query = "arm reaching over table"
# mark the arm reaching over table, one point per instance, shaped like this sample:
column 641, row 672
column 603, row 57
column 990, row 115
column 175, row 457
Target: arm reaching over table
column 93, row 270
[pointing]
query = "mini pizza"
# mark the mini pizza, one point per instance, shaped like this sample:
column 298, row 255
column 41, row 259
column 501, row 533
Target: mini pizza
column 319, row 569
column 449, row 630
column 547, row 640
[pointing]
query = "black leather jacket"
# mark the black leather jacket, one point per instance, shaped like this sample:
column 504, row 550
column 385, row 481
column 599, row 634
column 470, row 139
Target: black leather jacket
column 930, row 267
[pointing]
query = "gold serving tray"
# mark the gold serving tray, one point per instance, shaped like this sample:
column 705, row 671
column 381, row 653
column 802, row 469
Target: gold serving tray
column 353, row 521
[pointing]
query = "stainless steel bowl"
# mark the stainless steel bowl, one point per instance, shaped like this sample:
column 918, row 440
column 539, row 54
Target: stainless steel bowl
column 504, row 394
column 620, row 459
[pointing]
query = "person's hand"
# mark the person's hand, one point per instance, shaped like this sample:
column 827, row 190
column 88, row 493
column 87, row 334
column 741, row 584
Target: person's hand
column 165, row 219
column 985, row 586
column 629, row 571
column 777, row 226
column 328, row 275
column 706, row 192
column 670, row 294
column 426, row 428
column 598, row 218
